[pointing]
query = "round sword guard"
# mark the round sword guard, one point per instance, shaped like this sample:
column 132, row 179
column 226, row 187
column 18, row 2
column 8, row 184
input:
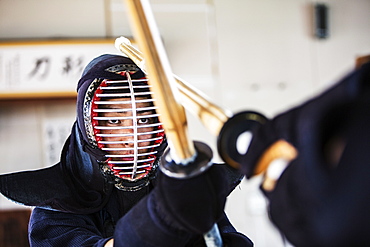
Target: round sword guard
column 235, row 136
column 200, row 162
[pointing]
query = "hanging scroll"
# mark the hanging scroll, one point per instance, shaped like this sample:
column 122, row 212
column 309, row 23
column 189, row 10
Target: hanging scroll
column 46, row 67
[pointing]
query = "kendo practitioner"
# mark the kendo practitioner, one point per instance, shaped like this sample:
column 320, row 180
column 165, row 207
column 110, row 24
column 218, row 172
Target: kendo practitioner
column 318, row 158
column 107, row 188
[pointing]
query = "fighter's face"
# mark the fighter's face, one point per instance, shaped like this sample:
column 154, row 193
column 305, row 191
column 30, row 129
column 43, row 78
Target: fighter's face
column 129, row 132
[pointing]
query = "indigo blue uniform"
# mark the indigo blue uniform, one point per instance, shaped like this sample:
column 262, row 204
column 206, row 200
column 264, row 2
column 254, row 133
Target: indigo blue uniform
column 137, row 228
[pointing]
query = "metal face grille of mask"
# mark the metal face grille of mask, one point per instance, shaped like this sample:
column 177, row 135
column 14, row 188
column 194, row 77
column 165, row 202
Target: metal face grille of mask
column 126, row 126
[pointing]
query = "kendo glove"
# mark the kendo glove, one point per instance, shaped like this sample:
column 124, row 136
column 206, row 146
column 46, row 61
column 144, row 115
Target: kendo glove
column 176, row 210
column 312, row 122
column 192, row 204
column 321, row 198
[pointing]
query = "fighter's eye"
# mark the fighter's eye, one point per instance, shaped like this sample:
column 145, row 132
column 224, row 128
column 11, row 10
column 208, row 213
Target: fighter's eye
column 143, row 121
column 114, row 121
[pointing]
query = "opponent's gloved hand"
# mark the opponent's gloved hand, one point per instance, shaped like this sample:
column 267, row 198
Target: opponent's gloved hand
column 312, row 122
column 320, row 198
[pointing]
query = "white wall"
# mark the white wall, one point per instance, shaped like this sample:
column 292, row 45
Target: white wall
column 244, row 54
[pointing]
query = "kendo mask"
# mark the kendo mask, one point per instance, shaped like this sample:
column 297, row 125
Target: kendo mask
column 118, row 119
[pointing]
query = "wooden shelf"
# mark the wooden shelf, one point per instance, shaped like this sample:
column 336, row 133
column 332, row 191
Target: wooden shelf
column 56, row 41
column 24, row 95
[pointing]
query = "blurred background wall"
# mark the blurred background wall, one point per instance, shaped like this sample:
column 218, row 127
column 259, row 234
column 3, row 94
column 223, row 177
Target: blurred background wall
column 244, row 54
